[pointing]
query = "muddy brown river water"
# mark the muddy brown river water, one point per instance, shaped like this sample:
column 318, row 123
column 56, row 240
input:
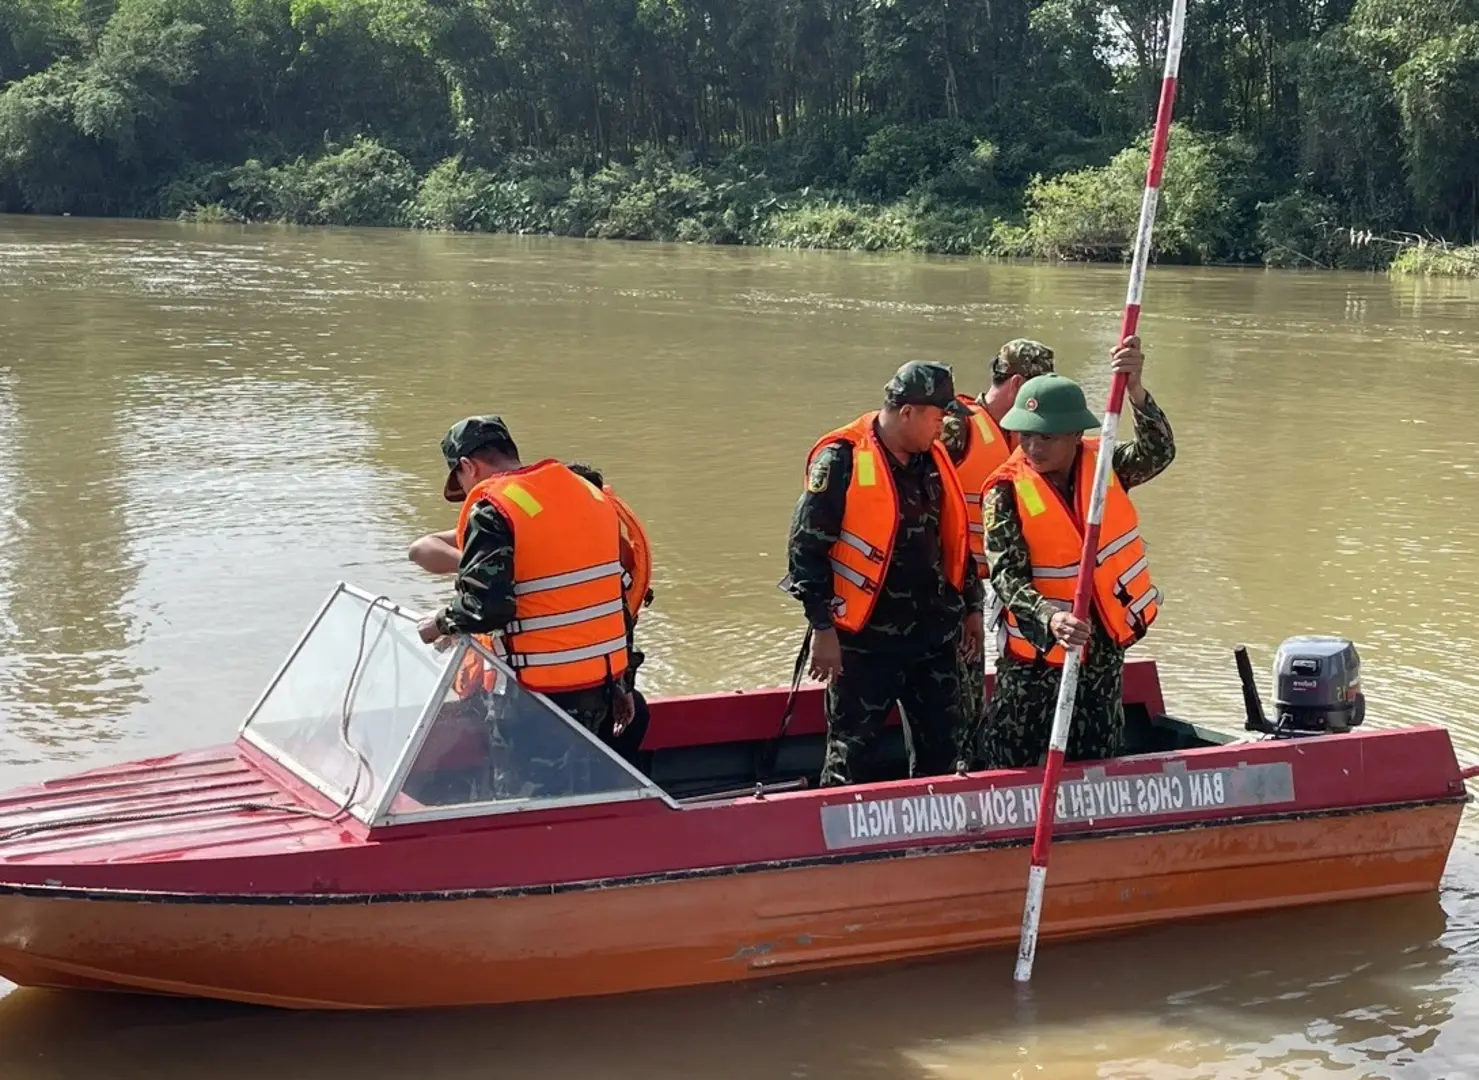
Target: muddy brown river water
column 205, row 427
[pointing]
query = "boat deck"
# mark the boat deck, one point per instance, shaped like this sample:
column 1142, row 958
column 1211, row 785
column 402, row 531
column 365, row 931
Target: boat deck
column 708, row 745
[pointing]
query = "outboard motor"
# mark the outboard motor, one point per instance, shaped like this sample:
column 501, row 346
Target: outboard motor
column 1317, row 688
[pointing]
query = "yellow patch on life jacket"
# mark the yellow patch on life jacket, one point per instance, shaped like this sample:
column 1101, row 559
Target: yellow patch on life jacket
column 866, row 468
column 987, row 435
column 523, row 500
column 1030, row 497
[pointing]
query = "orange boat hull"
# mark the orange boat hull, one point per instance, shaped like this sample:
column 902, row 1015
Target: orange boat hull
column 694, row 928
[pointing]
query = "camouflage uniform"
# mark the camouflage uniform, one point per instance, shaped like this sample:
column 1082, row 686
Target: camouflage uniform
column 1020, row 715
column 1027, row 358
column 908, row 651
column 484, row 604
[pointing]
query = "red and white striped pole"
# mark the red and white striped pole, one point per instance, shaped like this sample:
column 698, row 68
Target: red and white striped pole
column 1062, row 717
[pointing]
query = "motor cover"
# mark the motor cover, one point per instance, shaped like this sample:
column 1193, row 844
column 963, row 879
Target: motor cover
column 1317, row 685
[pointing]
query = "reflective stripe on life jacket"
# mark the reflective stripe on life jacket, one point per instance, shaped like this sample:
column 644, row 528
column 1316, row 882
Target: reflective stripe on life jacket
column 870, row 521
column 987, row 449
column 636, row 557
column 1126, row 602
column 569, row 625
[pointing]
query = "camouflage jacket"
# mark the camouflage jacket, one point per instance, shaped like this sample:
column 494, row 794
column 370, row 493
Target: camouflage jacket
column 1135, row 462
column 917, row 607
column 957, row 429
column 484, row 603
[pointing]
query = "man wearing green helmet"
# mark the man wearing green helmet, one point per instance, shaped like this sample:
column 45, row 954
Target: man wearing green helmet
column 1033, row 509
column 977, row 445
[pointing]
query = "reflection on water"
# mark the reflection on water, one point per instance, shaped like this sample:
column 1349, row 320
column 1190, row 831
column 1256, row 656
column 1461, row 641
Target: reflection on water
column 207, row 426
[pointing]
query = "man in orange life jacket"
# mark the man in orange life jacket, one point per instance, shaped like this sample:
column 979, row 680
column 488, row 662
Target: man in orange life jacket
column 538, row 546
column 437, row 553
column 879, row 558
column 1033, row 508
column 978, row 447
column 636, row 562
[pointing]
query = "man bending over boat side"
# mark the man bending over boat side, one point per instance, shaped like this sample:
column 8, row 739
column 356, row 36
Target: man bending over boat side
column 1032, row 509
column 539, row 563
column 879, row 558
column 978, row 447
column 437, row 553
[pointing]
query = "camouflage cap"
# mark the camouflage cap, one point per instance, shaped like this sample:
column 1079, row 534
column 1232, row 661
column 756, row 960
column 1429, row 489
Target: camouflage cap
column 467, row 437
column 1024, row 357
column 921, row 382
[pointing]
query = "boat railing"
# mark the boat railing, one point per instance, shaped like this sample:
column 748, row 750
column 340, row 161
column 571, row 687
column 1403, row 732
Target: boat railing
column 756, row 791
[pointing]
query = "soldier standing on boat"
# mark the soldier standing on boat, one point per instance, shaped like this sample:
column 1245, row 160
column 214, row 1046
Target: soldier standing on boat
column 879, row 558
column 978, row 447
column 538, row 546
column 437, row 553
column 1032, row 509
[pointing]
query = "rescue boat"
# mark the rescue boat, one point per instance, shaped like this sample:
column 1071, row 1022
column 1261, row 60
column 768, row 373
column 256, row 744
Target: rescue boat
column 354, row 847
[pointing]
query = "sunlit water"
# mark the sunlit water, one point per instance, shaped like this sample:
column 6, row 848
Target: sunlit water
column 208, row 426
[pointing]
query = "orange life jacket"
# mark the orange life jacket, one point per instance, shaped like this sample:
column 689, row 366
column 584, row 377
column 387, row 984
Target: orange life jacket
column 987, row 449
column 569, row 625
column 1125, row 600
column 870, row 522
column 636, row 557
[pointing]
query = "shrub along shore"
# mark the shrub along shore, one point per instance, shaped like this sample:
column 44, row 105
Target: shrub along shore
column 1309, row 131
column 1086, row 215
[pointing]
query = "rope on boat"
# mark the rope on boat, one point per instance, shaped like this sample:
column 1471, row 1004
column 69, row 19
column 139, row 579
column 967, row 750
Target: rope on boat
column 1469, row 772
column 361, row 767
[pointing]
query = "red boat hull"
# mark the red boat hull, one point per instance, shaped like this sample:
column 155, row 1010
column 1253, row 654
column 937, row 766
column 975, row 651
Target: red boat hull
column 719, row 928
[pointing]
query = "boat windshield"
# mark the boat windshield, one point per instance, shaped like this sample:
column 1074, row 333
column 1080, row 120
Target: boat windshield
column 346, row 740
column 494, row 746
column 423, row 733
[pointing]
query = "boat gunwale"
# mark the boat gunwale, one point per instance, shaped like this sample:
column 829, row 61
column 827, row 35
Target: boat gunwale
column 801, row 862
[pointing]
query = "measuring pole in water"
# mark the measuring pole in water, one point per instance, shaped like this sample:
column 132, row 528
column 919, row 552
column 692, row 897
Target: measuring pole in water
column 1037, row 873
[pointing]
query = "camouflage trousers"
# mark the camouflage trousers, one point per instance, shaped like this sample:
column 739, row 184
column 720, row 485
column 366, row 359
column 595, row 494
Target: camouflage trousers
column 533, row 754
column 972, row 707
column 926, row 687
column 1019, row 719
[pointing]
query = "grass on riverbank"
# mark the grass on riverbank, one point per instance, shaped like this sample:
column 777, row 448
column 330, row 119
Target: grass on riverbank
column 654, row 198
column 1209, row 213
column 1431, row 261
column 950, row 204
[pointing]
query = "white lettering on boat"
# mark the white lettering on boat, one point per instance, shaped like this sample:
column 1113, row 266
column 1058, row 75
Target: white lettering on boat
column 1090, row 799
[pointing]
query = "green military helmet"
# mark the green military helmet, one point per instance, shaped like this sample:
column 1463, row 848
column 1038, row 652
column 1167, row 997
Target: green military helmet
column 1050, row 405
column 921, row 382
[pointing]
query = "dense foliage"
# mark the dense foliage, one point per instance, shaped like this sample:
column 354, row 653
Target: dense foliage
column 1005, row 126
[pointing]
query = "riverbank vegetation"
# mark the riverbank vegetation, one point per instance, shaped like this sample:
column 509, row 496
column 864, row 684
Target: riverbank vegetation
column 1428, row 260
column 1005, row 127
